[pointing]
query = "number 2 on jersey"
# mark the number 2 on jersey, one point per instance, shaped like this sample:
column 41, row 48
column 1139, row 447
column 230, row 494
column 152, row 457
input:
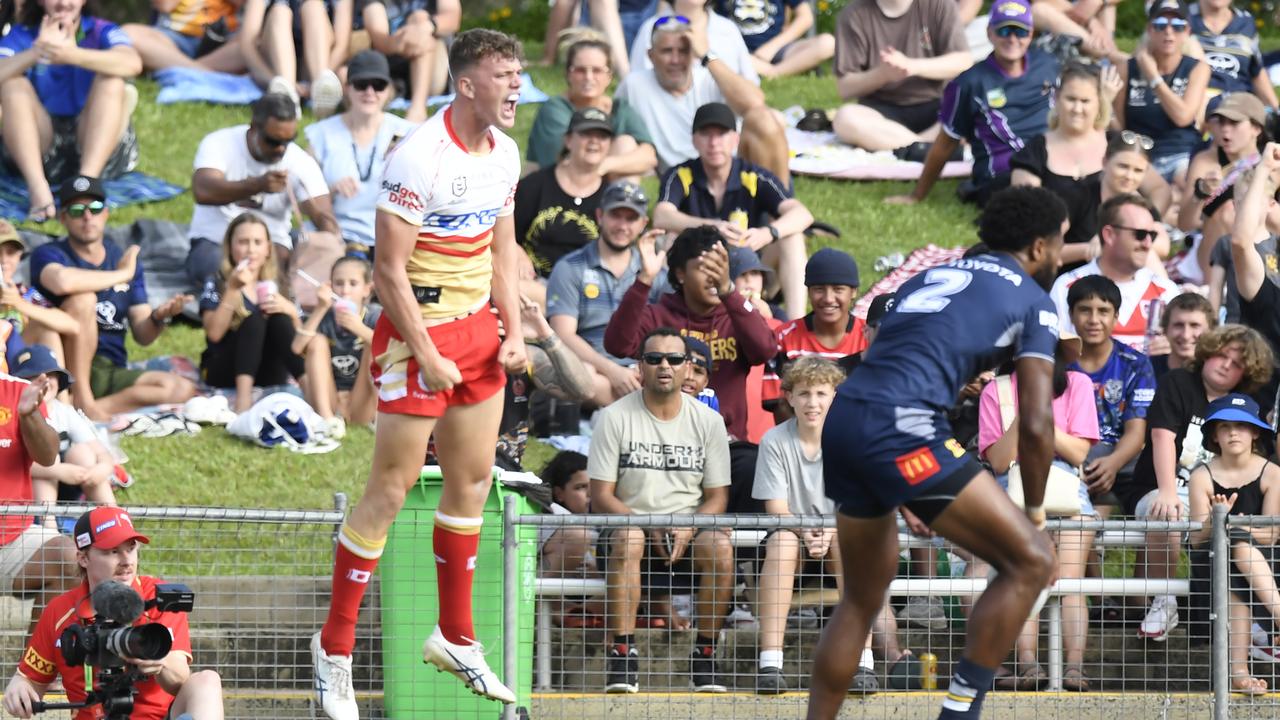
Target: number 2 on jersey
column 939, row 285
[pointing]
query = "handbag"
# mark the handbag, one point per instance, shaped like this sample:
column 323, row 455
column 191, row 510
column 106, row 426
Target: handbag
column 1061, row 489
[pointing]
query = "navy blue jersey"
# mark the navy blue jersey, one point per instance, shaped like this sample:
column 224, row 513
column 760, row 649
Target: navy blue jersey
column 1232, row 54
column 949, row 324
column 1144, row 114
column 113, row 302
column 998, row 114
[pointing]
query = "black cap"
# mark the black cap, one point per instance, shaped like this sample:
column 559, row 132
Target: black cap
column 368, row 65
column 717, row 114
column 81, row 186
column 1168, row 7
column 590, row 119
column 624, row 193
column 697, row 346
column 830, row 266
column 880, row 306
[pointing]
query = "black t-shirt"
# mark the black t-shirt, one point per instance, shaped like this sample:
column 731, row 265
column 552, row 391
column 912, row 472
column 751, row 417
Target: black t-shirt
column 1221, row 257
column 1159, row 365
column 551, row 223
column 1179, row 407
column 1262, row 313
column 1081, row 196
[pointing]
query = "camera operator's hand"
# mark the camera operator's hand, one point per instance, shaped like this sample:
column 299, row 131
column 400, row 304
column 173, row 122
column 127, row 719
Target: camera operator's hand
column 19, row 696
column 148, row 668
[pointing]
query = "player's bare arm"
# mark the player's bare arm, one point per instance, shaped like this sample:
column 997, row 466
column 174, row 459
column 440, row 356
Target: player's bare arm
column 506, row 293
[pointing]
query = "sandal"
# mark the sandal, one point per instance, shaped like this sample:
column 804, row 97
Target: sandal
column 1245, row 684
column 1075, row 680
column 1004, row 679
column 1032, row 678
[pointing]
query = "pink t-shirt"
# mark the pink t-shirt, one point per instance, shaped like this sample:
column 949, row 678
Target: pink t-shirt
column 1074, row 411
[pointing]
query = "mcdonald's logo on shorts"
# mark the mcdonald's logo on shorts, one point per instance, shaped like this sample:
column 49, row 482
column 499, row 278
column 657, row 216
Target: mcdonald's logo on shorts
column 917, row 465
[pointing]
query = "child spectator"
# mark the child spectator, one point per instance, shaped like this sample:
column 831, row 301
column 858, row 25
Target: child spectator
column 31, row 319
column 789, row 481
column 344, row 319
column 248, row 320
column 1123, row 385
column 569, row 552
column 778, row 45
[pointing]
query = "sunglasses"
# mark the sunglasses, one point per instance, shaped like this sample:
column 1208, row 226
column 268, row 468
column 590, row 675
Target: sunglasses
column 1129, row 137
column 668, row 19
column 77, row 210
column 1161, row 24
column 378, row 84
column 656, row 358
column 1138, row 233
column 275, row 142
column 1013, row 31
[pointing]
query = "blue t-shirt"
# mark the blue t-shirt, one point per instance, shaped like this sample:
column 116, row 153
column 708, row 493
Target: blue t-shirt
column 1124, row 388
column 583, row 289
column 759, row 21
column 949, row 324
column 998, row 114
column 1144, row 114
column 1233, row 54
column 63, row 89
column 113, row 303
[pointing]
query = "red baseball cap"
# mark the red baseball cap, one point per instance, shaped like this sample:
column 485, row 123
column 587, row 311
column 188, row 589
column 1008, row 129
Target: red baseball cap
column 106, row 528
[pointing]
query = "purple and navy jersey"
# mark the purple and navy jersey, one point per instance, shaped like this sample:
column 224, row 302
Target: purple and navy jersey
column 997, row 114
column 950, row 323
column 63, row 89
column 1232, row 54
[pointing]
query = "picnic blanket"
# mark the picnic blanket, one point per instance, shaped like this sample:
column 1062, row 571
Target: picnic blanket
column 823, row 155
column 128, row 189
column 192, row 85
column 920, row 259
column 529, row 93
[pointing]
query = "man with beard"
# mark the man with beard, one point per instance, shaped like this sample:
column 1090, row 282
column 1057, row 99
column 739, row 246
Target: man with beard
column 887, row 444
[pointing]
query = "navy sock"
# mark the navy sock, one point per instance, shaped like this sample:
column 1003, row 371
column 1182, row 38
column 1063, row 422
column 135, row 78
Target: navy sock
column 969, row 684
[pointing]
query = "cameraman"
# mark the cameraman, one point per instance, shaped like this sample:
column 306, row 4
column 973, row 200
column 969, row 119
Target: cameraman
column 108, row 550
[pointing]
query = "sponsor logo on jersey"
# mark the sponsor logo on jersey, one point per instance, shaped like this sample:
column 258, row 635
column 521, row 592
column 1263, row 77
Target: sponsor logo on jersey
column 448, row 223
column 917, row 465
column 403, row 196
column 460, row 186
column 37, row 662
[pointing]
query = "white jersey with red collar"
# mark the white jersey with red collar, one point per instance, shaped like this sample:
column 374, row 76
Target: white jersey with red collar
column 454, row 197
column 1135, row 297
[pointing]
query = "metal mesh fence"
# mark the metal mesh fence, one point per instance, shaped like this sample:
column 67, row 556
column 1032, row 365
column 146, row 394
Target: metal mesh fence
column 1124, row 632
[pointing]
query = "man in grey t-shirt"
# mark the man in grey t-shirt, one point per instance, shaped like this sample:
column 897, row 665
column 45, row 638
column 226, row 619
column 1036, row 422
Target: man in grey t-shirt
column 658, row 451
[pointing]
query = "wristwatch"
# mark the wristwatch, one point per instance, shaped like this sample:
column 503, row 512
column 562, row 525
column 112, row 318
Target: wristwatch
column 773, row 232
column 706, row 59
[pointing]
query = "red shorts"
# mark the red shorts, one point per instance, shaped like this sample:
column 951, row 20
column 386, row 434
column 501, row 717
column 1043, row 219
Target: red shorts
column 471, row 342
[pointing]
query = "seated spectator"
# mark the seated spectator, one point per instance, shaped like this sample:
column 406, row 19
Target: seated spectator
column 333, row 342
column 570, row 552
column 997, row 106
column 1247, row 483
column 703, row 305
column 1076, row 423
column 588, row 72
column 351, row 148
column 1229, row 359
column 717, row 34
column 415, row 31
column 779, row 45
column 1068, row 159
column 31, row 319
column 83, row 462
column 255, row 167
column 668, row 95
column 1185, row 319
column 745, row 202
column 680, row 464
column 1165, row 90
column 1259, row 297
column 893, row 58
column 1229, row 37
column 1128, row 230
column 285, row 30
column 588, row 284
column 1123, row 386
column 1088, row 24
column 1237, row 124
column 831, row 330
column 1126, row 170
column 249, row 323
column 556, row 206
column 602, row 18
column 189, row 34
column 102, row 288
column 750, row 278
column 66, row 103
column 789, row 481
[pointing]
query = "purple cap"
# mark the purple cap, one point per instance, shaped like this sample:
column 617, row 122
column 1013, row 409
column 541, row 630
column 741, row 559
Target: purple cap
column 1011, row 12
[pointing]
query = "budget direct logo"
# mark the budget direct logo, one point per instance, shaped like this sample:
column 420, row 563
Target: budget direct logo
column 403, row 196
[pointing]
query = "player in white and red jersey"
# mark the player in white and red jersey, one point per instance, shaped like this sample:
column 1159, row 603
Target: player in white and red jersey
column 446, row 249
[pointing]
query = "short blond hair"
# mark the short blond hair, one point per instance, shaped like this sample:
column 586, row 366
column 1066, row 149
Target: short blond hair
column 811, row 370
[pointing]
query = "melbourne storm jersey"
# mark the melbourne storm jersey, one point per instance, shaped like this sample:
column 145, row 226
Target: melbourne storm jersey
column 949, row 324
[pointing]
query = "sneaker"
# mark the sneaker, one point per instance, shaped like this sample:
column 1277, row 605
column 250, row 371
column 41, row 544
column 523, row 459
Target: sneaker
column 770, row 681
column 335, row 427
column 702, row 670
column 806, row 618
column 333, row 683
column 924, row 612
column 279, row 85
column 467, row 663
column 741, row 619
column 1161, row 619
column 622, row 671
column 864, row 682
column 326, row 94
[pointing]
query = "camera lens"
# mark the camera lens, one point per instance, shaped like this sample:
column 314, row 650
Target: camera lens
column 144, row 642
